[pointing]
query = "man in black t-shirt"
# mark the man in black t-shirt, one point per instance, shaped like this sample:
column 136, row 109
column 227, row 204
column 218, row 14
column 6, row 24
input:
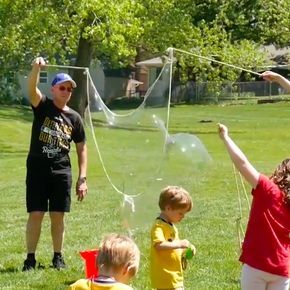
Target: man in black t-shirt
column 49, row 177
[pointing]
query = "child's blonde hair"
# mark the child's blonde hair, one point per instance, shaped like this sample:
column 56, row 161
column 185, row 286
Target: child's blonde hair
column 176, row 197
column 117, row 252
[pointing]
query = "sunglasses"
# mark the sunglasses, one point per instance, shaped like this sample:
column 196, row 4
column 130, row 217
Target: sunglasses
column 63, row 88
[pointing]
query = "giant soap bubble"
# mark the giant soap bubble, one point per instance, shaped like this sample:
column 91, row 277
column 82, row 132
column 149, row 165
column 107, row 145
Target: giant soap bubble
column 179, row 159
column 186, row 147
column 182, row 151
column 140, row 157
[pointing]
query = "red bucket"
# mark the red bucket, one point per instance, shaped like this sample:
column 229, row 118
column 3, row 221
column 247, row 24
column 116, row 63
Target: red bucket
column 90, row 257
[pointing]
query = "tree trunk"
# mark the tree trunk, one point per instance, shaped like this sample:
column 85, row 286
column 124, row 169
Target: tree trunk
column 141, row 74
column 79, row 100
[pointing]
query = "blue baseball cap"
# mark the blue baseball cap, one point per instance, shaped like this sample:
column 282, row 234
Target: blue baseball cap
column 62, row 78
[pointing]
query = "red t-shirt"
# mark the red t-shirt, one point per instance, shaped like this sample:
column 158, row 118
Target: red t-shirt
column 267, row 241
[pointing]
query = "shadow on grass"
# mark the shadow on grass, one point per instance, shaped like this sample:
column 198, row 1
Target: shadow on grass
column 16, row 112
column 69, row 282
column 9, row 270
column 102, row 123
column 39, row 267
column 24, row 113
column 133, row 127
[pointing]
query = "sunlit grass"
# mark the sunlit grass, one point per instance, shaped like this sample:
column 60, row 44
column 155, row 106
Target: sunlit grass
column 262, row 131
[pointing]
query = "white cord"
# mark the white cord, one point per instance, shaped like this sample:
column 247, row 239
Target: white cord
column 220, row 62
column 67, row 66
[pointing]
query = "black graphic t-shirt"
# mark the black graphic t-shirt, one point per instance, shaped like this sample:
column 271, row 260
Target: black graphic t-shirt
column 53, row 129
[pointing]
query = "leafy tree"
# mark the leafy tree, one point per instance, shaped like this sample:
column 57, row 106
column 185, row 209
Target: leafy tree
column 60, row 30
column 122, row 32
column 261, row 21
column 215, row 47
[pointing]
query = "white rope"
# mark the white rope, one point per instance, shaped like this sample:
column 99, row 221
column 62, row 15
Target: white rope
column 130, row 198
column 89, row 80
column 126, row 197
column 169, row 98
column 238, row 190
column 67, row 66
column 140, row 106
column 220, row 62
column 240, row 231
column 245, row 191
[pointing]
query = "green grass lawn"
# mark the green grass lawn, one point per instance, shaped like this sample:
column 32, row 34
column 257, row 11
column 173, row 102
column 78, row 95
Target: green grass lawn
column 135, row 164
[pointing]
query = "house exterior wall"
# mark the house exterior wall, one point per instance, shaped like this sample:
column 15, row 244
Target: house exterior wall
column 159, row 93
column 96, row 73
column 144, row 78
column 108, row 85
column 115, row 87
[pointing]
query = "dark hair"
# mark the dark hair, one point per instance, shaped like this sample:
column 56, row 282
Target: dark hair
column 281, row 177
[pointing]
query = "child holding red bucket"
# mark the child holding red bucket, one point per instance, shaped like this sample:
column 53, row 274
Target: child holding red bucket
column 117, row 262
column 90, row 257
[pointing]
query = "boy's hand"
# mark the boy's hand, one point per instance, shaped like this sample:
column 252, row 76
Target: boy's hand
column 192, row 247
column 184, row 244
column 187, row 255
column 189, row 252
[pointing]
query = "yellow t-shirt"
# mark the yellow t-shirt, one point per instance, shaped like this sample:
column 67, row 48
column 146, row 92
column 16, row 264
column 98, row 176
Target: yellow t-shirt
column 165, row 265
column 86, row 284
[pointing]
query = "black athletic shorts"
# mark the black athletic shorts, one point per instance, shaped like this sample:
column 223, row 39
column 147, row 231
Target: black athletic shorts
column 48, row 184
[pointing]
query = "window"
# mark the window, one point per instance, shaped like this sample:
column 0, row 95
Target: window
column 43, row 77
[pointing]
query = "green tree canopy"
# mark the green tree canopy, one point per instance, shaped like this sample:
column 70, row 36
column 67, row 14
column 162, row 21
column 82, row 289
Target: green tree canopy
column 122, row 32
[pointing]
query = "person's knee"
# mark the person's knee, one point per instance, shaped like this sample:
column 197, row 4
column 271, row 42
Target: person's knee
column 56, row 217
column 36, row 215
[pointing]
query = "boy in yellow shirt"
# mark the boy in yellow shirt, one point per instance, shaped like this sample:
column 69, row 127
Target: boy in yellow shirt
column 117, row 261
column 166, row 248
